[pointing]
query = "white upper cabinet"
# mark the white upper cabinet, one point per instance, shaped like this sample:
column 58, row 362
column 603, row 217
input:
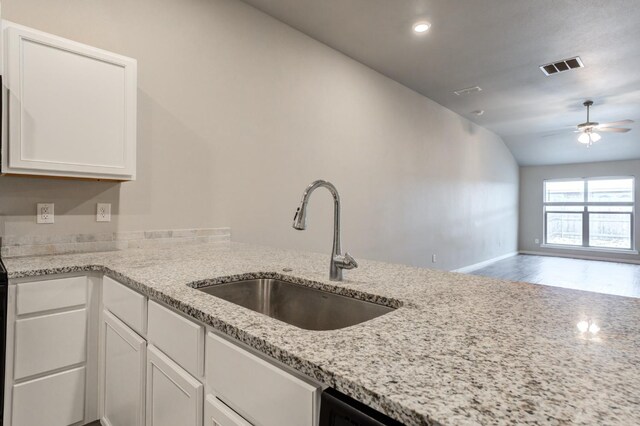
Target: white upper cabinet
column 69, row 109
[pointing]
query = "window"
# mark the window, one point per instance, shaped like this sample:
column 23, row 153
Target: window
column 593, row 212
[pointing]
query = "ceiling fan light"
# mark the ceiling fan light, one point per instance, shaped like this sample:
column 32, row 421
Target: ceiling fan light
column 584, row 138
column 595, row 137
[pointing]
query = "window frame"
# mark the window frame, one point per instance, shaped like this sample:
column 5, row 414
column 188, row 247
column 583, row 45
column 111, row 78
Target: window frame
column 585, row 213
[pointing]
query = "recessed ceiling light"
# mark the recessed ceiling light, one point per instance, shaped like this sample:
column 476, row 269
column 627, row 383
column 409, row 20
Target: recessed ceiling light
column 421, row 27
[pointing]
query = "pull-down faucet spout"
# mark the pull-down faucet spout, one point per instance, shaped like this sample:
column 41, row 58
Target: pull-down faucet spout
column 338, row 261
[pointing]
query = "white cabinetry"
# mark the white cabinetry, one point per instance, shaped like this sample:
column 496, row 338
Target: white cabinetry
column 180, row 338
column 218, row 414
column 257, row 389
column 174, row 397
column 70, row 108
column 57, row 399
column 127, row 305
column 135, row 362
column 50, row 364
column 49, row 342
column 122, row 374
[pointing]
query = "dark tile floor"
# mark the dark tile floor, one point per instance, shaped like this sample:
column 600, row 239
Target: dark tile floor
column 622, row 279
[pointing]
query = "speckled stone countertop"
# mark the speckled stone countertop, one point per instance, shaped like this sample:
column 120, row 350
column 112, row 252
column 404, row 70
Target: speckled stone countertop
column 460, row 350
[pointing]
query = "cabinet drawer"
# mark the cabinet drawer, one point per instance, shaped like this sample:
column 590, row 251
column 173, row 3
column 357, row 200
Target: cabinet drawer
column 181, row 339
column 129, row 306
column 51, row 294
column 49, row 342
column 259, row 391
column 52, row 400
column 218, row 414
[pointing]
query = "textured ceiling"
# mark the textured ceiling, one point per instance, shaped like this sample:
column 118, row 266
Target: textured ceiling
column 498, row 45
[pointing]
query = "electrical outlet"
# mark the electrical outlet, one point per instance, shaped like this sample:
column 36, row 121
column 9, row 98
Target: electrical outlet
column 44, row 213
column 537, row 241
column 103, row 212
column 434, row 259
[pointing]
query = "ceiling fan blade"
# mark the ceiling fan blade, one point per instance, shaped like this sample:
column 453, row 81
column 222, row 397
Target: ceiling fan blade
column 615, row 123
column 612, row 130
column 557, row 131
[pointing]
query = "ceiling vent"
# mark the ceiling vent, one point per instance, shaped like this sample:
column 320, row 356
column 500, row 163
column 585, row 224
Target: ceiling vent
column 468, row 91
column 562, row 66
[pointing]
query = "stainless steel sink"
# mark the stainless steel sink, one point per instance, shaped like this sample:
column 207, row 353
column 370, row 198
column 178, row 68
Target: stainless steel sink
column 298, row 305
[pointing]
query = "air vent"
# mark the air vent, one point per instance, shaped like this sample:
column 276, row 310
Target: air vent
column 562, row 66
column 468, row 91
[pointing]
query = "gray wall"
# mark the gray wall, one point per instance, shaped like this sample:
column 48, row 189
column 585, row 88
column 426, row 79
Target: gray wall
column 531, row 199
column 239, row 112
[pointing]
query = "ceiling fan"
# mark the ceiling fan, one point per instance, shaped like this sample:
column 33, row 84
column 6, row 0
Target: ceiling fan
column 589, row 130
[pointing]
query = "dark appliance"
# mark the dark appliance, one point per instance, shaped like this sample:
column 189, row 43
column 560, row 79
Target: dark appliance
column 4, row 284
column 338, row 409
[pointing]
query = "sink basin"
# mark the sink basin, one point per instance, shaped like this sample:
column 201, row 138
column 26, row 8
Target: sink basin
column 298, row 305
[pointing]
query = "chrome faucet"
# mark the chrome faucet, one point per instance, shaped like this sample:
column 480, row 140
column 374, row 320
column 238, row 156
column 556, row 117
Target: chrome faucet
column 338, row 260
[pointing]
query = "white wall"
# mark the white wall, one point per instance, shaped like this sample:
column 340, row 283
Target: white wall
column 239, row 112
column 531, row 202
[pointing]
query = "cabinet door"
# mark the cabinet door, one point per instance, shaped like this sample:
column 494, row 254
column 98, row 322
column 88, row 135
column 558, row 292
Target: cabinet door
column 123, row 374
column 72, row 108
column 218, row 414
column 174, row 397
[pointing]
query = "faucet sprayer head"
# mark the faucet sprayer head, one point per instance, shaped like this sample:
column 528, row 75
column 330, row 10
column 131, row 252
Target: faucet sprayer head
column 300, row 218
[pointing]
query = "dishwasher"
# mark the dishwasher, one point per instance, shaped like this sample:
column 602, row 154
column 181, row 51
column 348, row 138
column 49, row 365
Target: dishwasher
column 338, row 409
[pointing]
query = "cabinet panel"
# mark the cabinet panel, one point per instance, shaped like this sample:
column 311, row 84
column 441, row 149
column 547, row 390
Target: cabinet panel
column 178, row 337
column 72, row 107
column 123, row 374
column 256, row 389
column 129, row 306
column 56, row 400
column 49, row 342
column 173, row 396
column 218, row 414
column 51, row 294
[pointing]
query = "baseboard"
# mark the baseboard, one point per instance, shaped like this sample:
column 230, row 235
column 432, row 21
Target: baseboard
column 581, row 256
column 480, row 265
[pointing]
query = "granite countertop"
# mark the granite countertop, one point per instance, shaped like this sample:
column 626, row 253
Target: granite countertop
column 460, row 350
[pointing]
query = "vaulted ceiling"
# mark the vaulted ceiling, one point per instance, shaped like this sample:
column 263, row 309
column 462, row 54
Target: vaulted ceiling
column 498, row 45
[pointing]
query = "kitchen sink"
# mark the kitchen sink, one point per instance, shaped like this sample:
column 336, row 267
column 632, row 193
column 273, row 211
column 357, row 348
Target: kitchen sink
column 298, row 305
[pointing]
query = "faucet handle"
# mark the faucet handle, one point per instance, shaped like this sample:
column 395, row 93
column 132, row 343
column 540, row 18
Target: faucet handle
column 350, row 260
column 345, row 261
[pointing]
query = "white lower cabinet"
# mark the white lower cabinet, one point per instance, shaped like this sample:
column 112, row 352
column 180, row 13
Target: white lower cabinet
column 123, row 374
column 61, row 336
column 140, row 363
column 174, row 397
column 178, row 337
column 50, row 369
column 263, row 393
column 55, row 400
column 218, row 414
